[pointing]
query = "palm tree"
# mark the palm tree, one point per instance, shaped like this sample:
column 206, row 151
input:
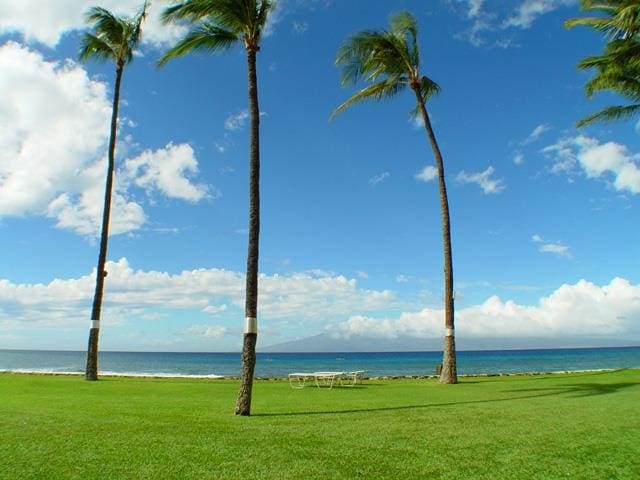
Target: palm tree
column 390, row 61
column 113, row 38
column 618, row 68
column 216, row 26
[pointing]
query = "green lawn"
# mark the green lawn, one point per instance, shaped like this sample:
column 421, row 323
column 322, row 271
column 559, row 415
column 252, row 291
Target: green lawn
column 574, row 426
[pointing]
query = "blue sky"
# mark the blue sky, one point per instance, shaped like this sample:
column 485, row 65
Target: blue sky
column 544, row 216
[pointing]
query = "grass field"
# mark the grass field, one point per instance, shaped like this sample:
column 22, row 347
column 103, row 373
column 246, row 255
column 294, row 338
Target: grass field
column 570, row 426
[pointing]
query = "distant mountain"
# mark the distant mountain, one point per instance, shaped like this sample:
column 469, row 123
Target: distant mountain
column 357, row 343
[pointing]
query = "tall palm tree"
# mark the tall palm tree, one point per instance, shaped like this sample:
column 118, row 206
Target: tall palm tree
column 217, row 25
column 618, row 67
column 390, row 61
column 113, row 38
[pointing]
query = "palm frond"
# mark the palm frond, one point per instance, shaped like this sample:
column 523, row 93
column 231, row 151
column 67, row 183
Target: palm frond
column 626, row 82
column 403, row 24
column 188, row 10
column 369, row 55
column 384, row 89
column 137, row 25
column 204, row 37
column 621, row 18
column 113, row 37
column 239, row 16
column 610, row 114
column 94, row 48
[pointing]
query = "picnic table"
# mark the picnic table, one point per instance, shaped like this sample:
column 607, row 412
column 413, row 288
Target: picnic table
column 325, row 379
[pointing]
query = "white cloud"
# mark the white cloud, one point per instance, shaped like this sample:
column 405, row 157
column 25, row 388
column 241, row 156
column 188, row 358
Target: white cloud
column 528, row 11
column 536, row 133
column 417, row 122
column 299, row 26
column 56, row 123
column 583, row 309
column 236, row 121
column 518, row 159
column 557, row 248
column 65, row 302
column 474, row 7
column 376, row 179
column 81, row 211
column 208, row 331
column 362, row 275
column 54, row 119
column 277, row 13
column 46, row 22
column 610, row 160
column 427, row 174
column 483, row 180
column 215, row 310
column 491, row 21
column 167, row 169
column 402, row 278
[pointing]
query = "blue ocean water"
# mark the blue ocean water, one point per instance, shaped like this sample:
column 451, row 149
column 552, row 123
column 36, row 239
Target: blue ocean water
column 279, row 365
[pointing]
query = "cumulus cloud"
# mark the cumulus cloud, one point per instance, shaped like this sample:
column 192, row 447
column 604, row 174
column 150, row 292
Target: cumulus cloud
column 56, row 123
column 167, row 170
column 427, row 174
column 81, row 211
column 216, row 292
column 583, row 309
column 376, row 179
column 483, row 180
column 47, row 22
column 54, row 119
column 610, row 161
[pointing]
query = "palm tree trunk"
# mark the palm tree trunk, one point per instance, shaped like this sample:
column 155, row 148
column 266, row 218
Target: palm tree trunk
column 449, row 372
column 91, row 372
column 243, row 402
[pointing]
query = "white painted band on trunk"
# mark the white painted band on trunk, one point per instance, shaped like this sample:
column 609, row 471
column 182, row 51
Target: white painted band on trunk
column 449, row 332
column 250, row 325
column 95, row 323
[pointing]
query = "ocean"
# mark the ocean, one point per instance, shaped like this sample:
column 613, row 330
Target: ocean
column 279, row 365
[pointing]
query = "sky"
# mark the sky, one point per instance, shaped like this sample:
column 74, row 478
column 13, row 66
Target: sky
column 546, row 244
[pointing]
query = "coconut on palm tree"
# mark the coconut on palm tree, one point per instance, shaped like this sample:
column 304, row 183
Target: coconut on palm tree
column 114, row 39
column 617, row 69
column 389, row 60
column 217, row 25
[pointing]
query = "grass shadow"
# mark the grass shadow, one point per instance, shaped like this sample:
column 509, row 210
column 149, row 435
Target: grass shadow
column 570, row 390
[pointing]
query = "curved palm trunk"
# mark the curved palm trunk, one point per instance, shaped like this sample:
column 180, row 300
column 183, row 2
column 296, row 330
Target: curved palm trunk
column 91, row 372
column 243, row 402
column 449, row 370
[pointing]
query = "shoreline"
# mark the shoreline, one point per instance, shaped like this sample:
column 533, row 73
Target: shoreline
column 381, row 377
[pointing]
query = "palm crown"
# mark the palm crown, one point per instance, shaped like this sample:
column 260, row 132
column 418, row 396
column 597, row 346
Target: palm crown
column 113, row 38
column 618, row 67
column 388, row 59
column 218, row 24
